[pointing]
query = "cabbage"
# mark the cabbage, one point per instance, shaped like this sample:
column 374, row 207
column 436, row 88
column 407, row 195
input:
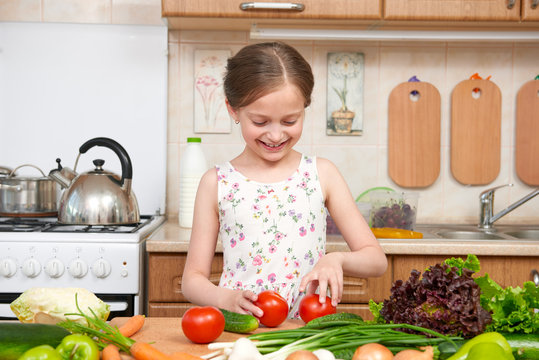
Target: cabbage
column 49, row 305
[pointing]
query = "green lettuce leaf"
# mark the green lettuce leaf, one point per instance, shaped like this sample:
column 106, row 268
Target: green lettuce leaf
column 471, row 263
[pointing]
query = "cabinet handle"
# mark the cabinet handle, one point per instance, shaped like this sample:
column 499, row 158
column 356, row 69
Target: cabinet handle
column 271, row 6
column 535, row 277
column 534, row 4
column 510, row 4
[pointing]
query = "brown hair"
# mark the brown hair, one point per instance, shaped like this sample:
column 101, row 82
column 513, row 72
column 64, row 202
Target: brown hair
column 258, row 69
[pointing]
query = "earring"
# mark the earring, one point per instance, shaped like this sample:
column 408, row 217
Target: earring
column 237, row 121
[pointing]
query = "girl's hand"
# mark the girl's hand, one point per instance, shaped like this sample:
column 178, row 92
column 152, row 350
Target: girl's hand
column 241, row 301
column 326, row 273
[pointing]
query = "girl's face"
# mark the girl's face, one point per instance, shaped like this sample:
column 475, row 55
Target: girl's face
column 272, row 125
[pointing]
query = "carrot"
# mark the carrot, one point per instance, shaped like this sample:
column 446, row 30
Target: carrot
column 145, row 351
column 180, row 355
column 132, row 325
column 111, row 352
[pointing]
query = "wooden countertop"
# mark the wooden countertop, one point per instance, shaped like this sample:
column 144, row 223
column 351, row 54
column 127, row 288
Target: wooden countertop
column 172, row 238
column 167, row 336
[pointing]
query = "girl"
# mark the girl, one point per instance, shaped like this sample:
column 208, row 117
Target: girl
column 268, row 205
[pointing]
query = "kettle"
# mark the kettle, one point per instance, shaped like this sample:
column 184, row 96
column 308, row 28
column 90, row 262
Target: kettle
column 97, row 197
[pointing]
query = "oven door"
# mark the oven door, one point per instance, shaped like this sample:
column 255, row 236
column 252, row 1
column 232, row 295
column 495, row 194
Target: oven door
column 120, row 305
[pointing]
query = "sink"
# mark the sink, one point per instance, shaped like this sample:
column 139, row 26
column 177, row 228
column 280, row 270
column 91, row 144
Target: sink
column 524, row 234
column 469, row 235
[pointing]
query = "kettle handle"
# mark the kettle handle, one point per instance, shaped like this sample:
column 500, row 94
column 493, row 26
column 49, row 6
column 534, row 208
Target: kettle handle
column 127, row 168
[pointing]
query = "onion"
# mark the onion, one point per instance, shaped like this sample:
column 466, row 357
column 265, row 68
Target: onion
column 302, row 355
column 428, row 354
column 372, row 351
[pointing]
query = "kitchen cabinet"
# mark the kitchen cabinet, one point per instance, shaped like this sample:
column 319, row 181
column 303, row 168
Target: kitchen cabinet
column 165, row 271
column 467, row 10
column 530, row 10
column 462, row 10
column 166, row 300
column 348, row 14
column 229, row 14
column 505, row 270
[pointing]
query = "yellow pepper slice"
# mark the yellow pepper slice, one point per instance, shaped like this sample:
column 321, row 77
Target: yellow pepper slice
column 393, row 233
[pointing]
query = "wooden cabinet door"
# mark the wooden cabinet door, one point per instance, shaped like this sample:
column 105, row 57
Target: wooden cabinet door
column 505, row 270
column 360, row 290
column 314, row 9
column 530, row 10
column 467, row 10
column 165, row 276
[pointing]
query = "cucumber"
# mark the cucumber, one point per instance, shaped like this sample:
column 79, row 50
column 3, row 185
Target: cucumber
column 524, row 346
column 239, row 323
column 338, row 319
column 16, row 338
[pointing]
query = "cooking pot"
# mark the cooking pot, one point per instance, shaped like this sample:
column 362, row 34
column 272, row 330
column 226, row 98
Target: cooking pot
column 27, row 196
column 97, row 197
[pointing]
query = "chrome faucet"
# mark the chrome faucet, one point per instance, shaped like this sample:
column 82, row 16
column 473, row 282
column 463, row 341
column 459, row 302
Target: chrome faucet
column 486, row 206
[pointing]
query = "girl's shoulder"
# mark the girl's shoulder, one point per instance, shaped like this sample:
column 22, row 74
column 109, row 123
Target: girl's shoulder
column 325, row 166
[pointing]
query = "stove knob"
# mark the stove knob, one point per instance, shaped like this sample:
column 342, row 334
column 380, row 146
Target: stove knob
column 78, row 268
column 101, row 268
column 31, row 267
column 54, row 268
column 8, row 267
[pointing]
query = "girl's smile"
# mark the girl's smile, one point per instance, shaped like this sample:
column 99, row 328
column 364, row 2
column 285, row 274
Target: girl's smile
column 272, row 124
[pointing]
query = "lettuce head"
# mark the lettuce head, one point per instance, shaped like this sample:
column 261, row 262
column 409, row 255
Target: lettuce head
column 50, row 305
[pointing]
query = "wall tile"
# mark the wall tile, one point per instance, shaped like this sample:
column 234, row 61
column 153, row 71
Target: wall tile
column 20, row 10
column 77, row 11
column 142, row 12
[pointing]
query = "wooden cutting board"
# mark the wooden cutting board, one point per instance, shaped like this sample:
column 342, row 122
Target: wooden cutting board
column 475, row 132
column 166, row 335
column 414, row 134
column 527, row 133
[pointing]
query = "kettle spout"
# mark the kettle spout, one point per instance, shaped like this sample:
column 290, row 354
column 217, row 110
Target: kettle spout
column 62, row 175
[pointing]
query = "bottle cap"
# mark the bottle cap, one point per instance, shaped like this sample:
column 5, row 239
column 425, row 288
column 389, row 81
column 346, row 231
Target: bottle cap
column 194, row 140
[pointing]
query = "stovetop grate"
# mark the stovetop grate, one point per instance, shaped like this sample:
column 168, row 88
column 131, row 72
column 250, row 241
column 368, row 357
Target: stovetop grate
column 17, row 224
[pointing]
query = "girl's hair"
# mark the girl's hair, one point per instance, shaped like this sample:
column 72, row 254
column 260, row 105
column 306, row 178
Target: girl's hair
column 259, row 69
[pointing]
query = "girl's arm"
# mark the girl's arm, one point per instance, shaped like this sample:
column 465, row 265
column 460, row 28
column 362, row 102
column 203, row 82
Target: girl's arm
column 365, row 258
column 196, row 286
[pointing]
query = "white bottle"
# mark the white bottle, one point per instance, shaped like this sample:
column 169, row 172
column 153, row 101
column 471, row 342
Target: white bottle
column 192, row 167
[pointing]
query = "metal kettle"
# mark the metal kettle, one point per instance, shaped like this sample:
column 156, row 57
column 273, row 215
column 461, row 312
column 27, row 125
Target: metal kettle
column 97, row 197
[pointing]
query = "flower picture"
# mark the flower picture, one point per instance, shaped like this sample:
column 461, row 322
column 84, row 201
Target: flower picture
column 210, row 114
column 345, row 93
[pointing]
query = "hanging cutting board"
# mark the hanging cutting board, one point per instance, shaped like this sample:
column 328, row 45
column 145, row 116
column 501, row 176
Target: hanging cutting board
column 527, row 133
column 475, row 132
column 414, row 134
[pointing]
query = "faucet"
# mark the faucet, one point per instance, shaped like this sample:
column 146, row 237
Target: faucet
column 486, row 206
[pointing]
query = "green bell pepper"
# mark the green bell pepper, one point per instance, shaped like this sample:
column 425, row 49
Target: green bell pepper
column 487, row 351
column 489, row 338
column 41, row 352
column 78, row 347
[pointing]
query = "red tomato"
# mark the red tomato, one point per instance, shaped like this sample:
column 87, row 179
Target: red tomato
column 274, row 306
column 311, row 308
column 203, row 324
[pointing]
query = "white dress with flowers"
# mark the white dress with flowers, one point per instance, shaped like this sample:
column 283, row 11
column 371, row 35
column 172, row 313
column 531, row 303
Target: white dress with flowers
column 272, row 233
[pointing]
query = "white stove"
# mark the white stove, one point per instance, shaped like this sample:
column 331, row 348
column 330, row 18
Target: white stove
column 107, row 260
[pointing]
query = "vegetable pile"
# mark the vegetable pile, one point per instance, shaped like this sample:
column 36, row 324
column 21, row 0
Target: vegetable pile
column 446, row 298
column 341, row 334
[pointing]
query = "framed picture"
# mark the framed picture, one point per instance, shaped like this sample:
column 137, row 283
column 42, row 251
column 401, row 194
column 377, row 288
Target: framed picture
column 210, row 114
column 345, row 80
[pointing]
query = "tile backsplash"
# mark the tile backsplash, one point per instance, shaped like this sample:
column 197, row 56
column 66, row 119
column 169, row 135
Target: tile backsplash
column 361, row 159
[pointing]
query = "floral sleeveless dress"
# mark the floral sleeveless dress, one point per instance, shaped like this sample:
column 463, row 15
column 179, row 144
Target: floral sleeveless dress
column 272, row 234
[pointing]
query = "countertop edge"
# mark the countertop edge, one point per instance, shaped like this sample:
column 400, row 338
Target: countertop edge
column 170, row 237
